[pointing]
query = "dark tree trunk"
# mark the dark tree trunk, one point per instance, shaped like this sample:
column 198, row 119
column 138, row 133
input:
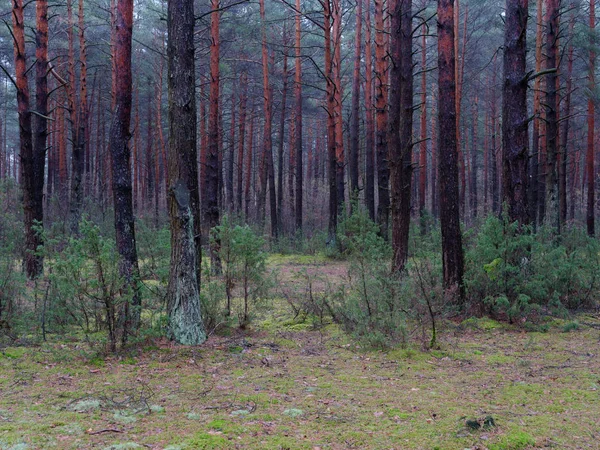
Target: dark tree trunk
column 282, row 136
column 534, row 197
column 514, row 112
column 381, row 119
column 241, row 139
column 183, row 297
column 129, row 315
column 551, row 103
column 298, row 121
column 423, row 137
column 452, row 251
column 400, row 126
column 589, row 157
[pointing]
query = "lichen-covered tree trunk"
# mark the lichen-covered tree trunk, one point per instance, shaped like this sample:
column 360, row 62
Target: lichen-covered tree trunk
column 183, row 296
column 514, row 112
column 129, row 318
column 452, row 251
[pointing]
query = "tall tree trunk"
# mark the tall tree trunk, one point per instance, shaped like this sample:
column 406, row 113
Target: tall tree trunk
column 183, row 296
column 249, row 156
column 535, row 141
column 589, row 158
column 241, row 139
column 474, row 149
column 355, row 115
column 514, row 112
column 381, row 120
column 231, row 158
column 336, row 16
column 552, row 212
column 298, row 120
column 369, row 180
column 268, row 135
column 564, row 132
column 452, row 251
column 282, row 136
column 331, row 127
column 401, row 124
column 211, row 194
column 27, row 154
column 129, row 315
column 423, row 137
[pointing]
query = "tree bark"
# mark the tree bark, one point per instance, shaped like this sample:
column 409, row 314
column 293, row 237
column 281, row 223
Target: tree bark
column 423, row 137
column 381, row 120
column 591, row 106
column 514, row 112
column 130, row 312
column 452, row 251
column 183, row 297
column 369, row 181
column 298, row 121
column 552, row 217
column 355, row 115
column 400, row 125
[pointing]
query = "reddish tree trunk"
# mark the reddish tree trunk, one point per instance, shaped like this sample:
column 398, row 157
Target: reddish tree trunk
column 129, row 315
column 381, row 120
column 452, row 251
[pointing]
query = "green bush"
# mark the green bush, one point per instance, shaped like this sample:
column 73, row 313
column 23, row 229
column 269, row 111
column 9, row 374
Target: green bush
column 244, row 266
column 372, row 306
column 518, row 273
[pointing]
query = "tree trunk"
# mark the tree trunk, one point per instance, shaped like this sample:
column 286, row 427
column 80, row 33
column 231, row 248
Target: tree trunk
column 298, row 121
column 381, row 120
column 452, row 251
column 551, row 211
column 514, row 112
column 400, row 126
column 28, row 154
column 369, row 181
column 183, row 297
column 211, row 194
column 241, row 139
column 355, row 114
column 589, row 158
column 535, row 141
column 129, row 317
column 423, row 137
column 336, row 16
column 267, row 134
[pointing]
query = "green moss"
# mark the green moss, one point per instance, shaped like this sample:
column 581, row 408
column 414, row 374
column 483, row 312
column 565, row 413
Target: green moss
column 206, row 441
column 517, row 440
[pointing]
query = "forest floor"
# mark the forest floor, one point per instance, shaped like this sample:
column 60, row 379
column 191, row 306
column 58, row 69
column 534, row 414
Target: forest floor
column 286, row 385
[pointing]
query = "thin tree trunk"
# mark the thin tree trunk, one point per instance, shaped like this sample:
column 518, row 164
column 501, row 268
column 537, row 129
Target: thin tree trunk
column 423, row 136
column 381, row 120
column 336, row 16
column 589, row 158
column 355, row 115
column 298, row 121
column 369, row 180
column 130, row 312
column 212, row 158
column 331, row 127
column 282, row 135
column 535, row 147
column 241, row 139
